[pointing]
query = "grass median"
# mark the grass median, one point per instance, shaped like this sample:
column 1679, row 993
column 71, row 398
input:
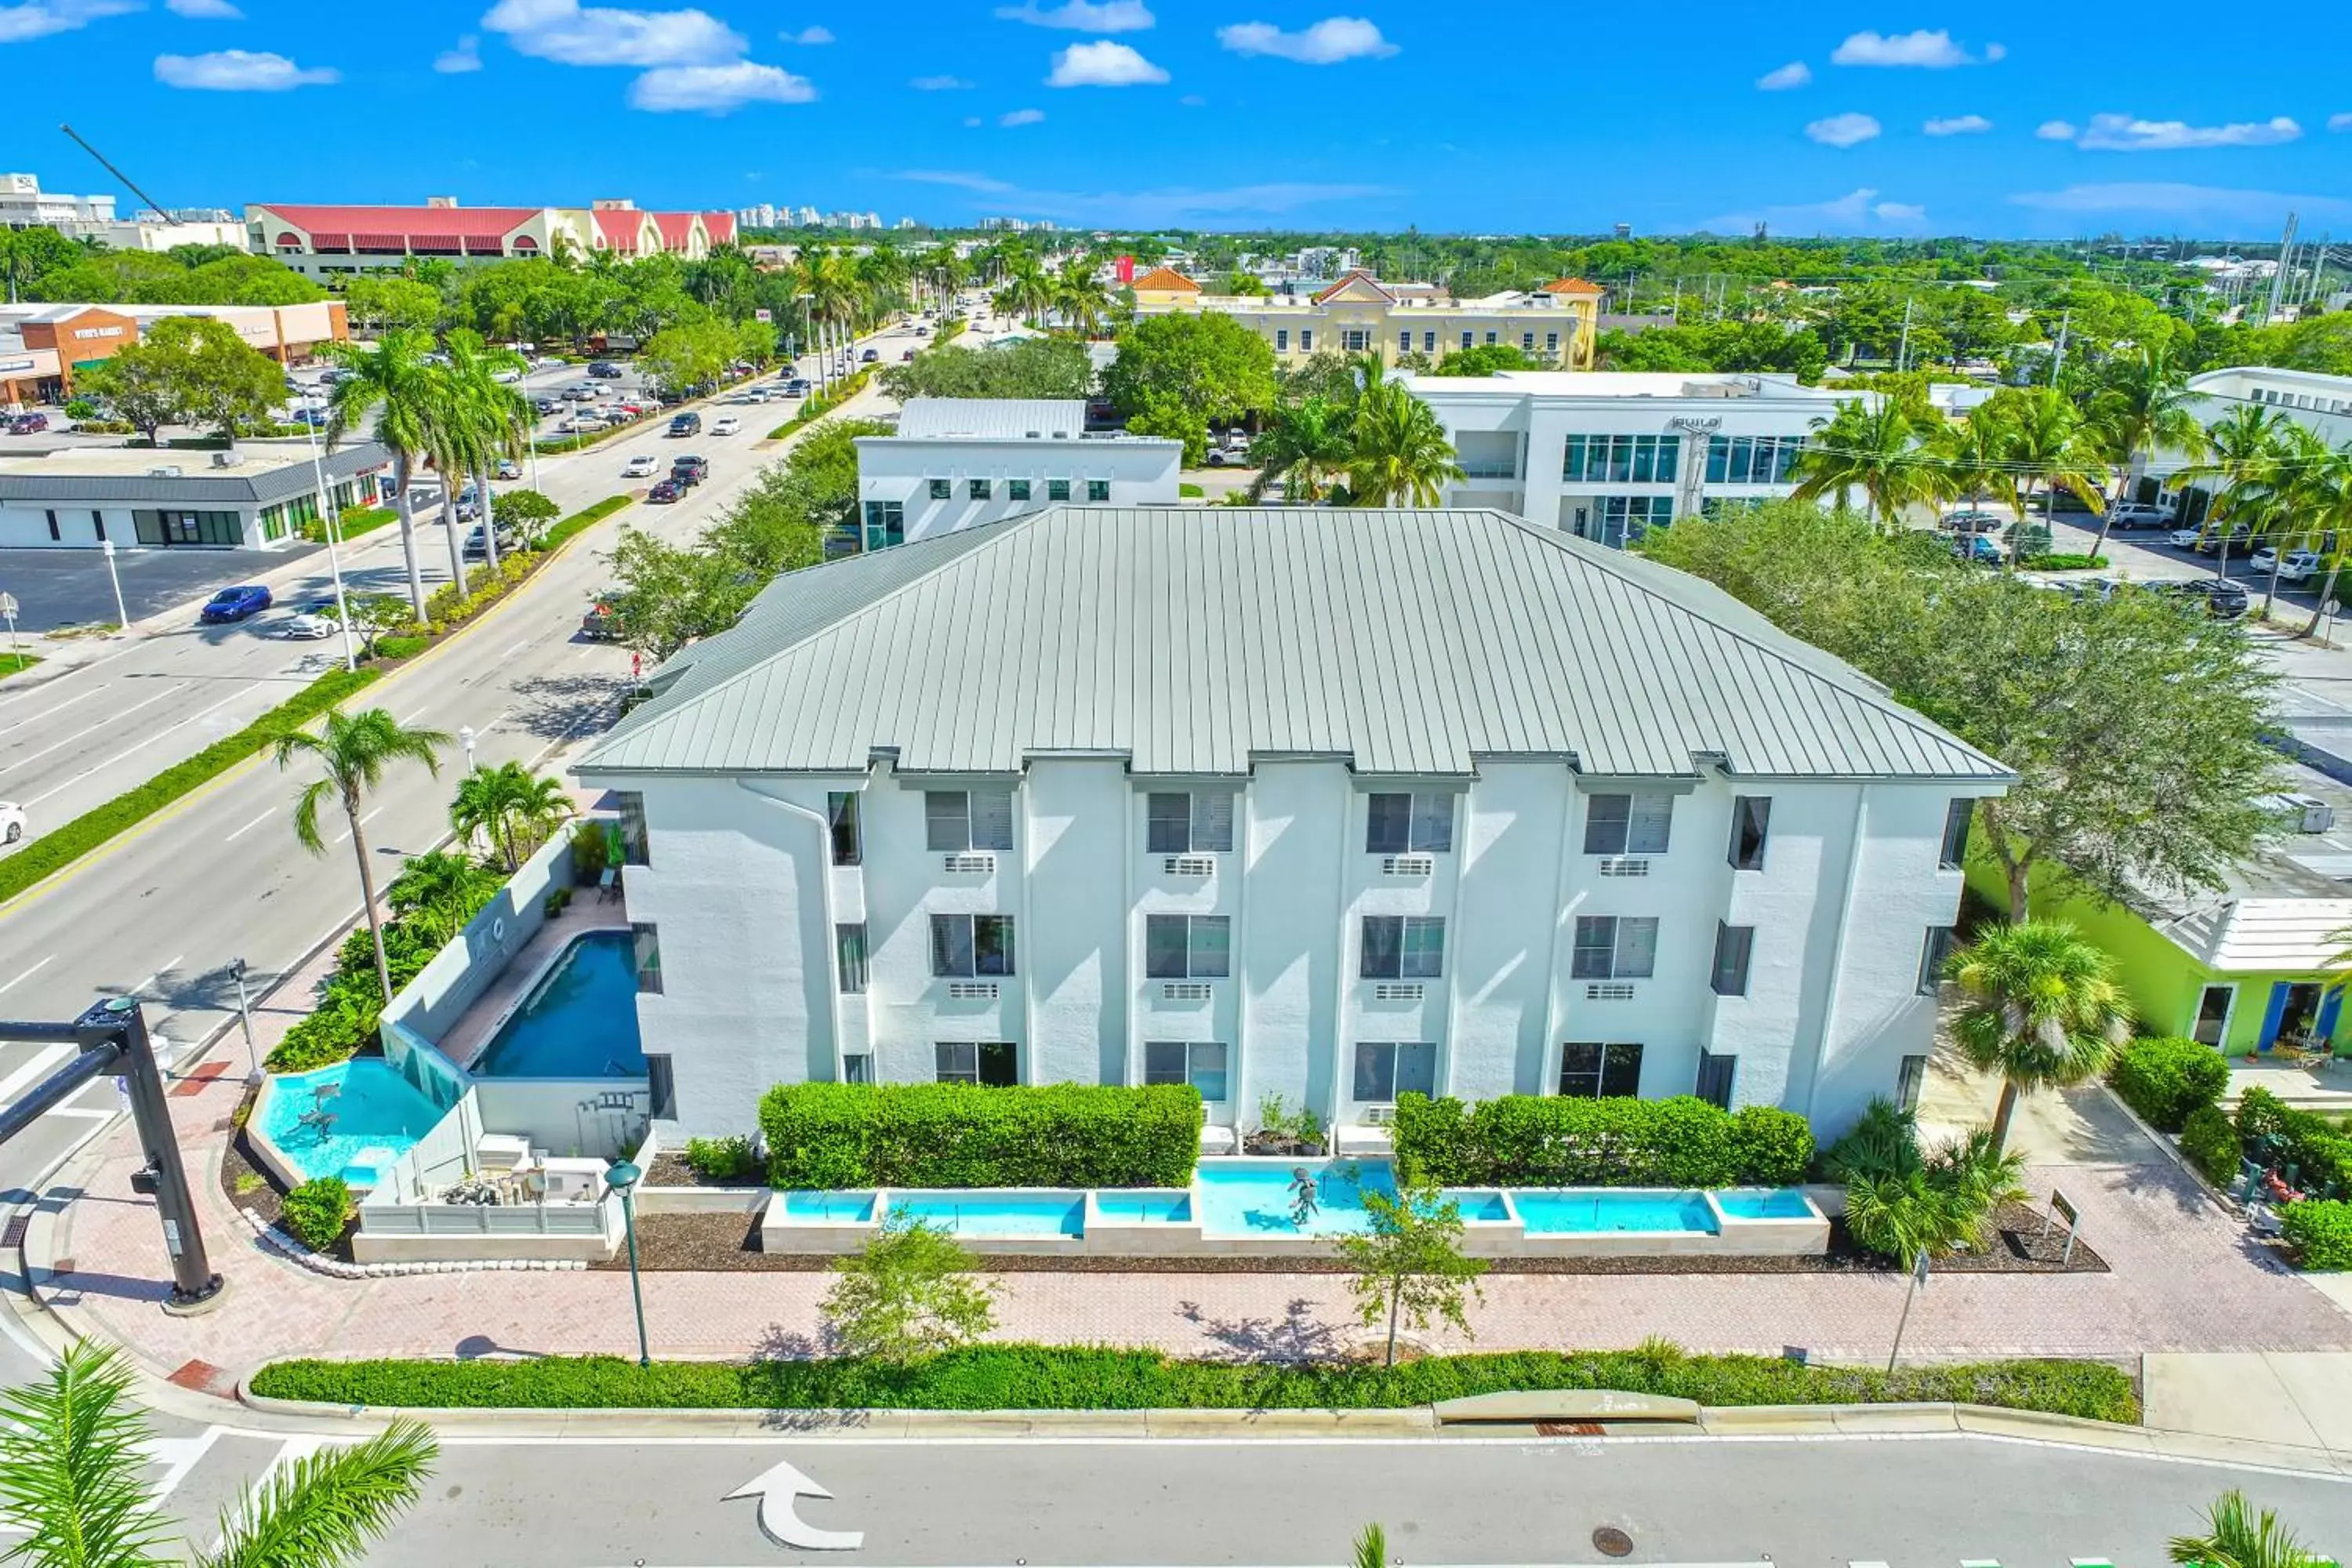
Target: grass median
column 1041, row 1377
column 62, row 846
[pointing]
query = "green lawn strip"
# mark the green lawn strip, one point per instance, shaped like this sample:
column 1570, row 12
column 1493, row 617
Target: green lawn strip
column 816, row 408
column 351, row 523
column 1042, row 1377
column 16, row 664
column 61, row 847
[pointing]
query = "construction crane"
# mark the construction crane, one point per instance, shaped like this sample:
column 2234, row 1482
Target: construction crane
column 110, row 169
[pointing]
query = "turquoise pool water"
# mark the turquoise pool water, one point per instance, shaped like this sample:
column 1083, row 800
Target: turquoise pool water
column 853, row 1206
column 1764, row 1203
column 995, row 1214
column 371, row 1116
column 1149, row 1207
column 1257, row 1198
column 1548, row 1212
column 579, row 1021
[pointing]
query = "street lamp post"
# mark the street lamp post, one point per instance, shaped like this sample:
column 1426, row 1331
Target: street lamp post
column 465, row 738
column 624, row 1176
column 245, row 1020
column 329, row 522
column 121, row 616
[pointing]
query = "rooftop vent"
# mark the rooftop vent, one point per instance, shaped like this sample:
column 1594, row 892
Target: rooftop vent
column 224, row 460
column 168, row 471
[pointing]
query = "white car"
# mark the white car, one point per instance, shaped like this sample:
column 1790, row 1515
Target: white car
column 2298, row 565
column 726, row 424
column 640, row 467
column 12, row 821
column 2185, row 537
column 308, row 627
column 506, row 377
column 584, row 422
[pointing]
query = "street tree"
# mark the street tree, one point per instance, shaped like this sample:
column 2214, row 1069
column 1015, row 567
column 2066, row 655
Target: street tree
column 2040, row 1008
column 1029, row 367
column 692, row 354
column 392, row 381
column 667, row 595
column 1397, row 451
column 1409, row 1266
column 510, row 809
column 379, row 304
column 1873, row 449
column 911, row 1291
column 374, row 616
column 225, row 382
column 528, row 512
column 140, row 388
column 1208, row 362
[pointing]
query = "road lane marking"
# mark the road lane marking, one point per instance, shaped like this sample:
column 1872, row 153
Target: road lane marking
column 517, row 648
column 28, row 973
column 36, row 718
column 163, row 969
column 250, row 826
column 94, row 728
column 141, row 745
column 32, row 1072
column 365, row 818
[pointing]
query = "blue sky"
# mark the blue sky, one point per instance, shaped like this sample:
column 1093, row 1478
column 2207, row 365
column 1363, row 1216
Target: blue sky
column 2000, row 118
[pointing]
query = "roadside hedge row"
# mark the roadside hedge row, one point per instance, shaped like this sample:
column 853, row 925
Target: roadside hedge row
column 350, row 522
column 59, row 848
column 451, row 606
column 2319, row 1232
column 1559, row 1140
column 830, row 1136
column 2167, row 1080
column 1043, row 1377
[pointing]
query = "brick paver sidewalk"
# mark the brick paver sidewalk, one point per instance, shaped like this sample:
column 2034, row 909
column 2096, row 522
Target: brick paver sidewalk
column 2185, row 1279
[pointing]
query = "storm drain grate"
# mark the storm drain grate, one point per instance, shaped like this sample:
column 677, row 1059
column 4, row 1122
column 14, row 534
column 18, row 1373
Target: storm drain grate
column 1611, row 1542
column 15, row 1235
column 1568, row 1429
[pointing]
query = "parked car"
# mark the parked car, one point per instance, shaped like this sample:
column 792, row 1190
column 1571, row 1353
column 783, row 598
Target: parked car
column 26, row 424
column 548, row 361
column 687, row 424
column 12, row 821
column 640, row 467
column 1971, row 522
column 1980, row 549
column 2184, row 538
column 545, row 405
column 308, row 627
column 507, row 468
column 667, row 490
column 726, row 424
column 604, row 370
column 507, row 377
column 2232, row 537
column 236, row 604
column 2223, row 600
column 601, row 623
column 2137, row 514
column 584, row 421
column 508, row 539
column 2297, row 565
column 690, row 470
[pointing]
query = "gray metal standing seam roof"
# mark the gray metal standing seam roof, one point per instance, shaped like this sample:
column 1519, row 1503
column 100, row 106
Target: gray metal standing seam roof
column 1195, row 641
column 993, row 418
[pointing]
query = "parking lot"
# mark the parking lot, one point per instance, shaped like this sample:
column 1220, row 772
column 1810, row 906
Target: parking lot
column 55, row 588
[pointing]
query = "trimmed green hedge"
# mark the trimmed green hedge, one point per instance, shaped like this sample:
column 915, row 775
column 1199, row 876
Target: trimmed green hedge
column 61, row 847
column 2309, row 1146
column 315, row 1213
column 962, row 1135
column 2320, row 1233
column 2167, row 1080
column 2209, row 1140
column 1042, row 1377
column 351, row 523
column 1559, row 1141
column 816, row 408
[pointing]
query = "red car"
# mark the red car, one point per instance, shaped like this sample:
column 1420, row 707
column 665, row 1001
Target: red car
column 665, row 491
column 25, row 424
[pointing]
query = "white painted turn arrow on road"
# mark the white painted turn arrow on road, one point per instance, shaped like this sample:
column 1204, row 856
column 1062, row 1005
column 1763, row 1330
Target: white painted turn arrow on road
column 776, row 1488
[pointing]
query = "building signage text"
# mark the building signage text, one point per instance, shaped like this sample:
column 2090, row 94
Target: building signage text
column 87, row 333
column 1697, row 422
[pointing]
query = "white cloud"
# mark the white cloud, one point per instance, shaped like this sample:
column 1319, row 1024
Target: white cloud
column 1022, row 117
column 808, row 36
column 239, row 71
column 1843, row 129
column 1850, row 214
column 1933, row 50
column 204, row 10
column 574, row 34
column 1083, row 16
column 1899, row 212
column 39, row 18
column 2165, row 199
column 1958, row 125
column 2125, row 133
column 939, row 84
column 715, row 90
column 1327, row 43
column 2055, row 131
column 2339, row 122
column 1796, row 73
column 1103, row 64
column 466, row 57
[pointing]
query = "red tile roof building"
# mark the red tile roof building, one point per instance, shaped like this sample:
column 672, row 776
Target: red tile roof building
column 326, row 239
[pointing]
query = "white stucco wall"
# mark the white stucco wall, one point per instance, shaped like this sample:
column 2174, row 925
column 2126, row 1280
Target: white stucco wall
column 1141, row 472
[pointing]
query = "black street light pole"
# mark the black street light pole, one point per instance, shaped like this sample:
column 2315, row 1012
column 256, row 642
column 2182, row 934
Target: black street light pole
column 112, row 1036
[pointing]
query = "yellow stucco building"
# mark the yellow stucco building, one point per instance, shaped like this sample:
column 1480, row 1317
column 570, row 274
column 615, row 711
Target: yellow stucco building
column 1553, row 325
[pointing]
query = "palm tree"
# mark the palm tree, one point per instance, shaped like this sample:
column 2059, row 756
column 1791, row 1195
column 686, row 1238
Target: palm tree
column 483, row 416
column 1027, row 291
column 73, row 1449
column 1397, row 450
column 2324, row 492
column 2050, row 439
column 354, row 749
column 1971, row 455
column 438, row 893
column 2042, row 1010
column 393, row 380
column 1304, row 446
column 1371, row 1549
column 1873, row 449
column 1079, row 297
column 2239, row 451
column 2145, row 406
column 510, row 807
column 2238, row 1537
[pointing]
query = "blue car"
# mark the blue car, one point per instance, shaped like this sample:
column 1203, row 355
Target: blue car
column 1976, row 547
column 236, row 604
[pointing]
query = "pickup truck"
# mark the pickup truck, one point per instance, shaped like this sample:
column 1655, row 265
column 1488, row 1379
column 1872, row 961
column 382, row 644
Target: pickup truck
column 601, row 623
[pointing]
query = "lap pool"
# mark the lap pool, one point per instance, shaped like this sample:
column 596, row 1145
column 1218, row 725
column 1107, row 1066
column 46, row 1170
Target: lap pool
column 579, row 1020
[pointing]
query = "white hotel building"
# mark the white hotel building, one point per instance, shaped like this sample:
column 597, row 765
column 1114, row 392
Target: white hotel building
column 1329, row 803
column 955, row 462
column 1608, row 455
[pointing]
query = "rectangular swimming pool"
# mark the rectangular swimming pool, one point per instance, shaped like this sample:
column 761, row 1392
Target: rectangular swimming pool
column 995, row 1214
column 579, row 1021
column 1764, row 1203
column 1584, row 1210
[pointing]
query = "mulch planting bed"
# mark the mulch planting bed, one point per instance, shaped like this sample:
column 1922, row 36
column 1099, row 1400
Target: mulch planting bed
column 716, row 1242
column 247, row 1182
column 672, row 1170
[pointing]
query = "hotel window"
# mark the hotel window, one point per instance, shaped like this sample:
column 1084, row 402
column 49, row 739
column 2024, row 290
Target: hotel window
column 1404, row 340
column 1623, row 459
column 976, row 490
column 1200, row 822
column 1716, row 1073
column 1355, row 340
column 1592, row 1071
column 991, row 1064
column 1200, row 1063
column 1307, row 340
column 1551, row 343
column 849, row 957
column 1188, row 947
column 1751, row 816
column 841, row 823
column 1957, row 817
column 648, row 954
column 1615, row 947
column 1098, row 490
column 885, row 524
column 1527, row 342
column 943, row 489
column 1016, row 489
column 1733, row 947
column 966, row 947
column 1417, row 824
column 1057, row 489
column 1385, row 1069
column 1465, row 340
column 1429, row 342
column 955, row 820
column 1282, row 339
column 1639, row 824
column 1404, row 947
column 1932, row 954
column 857, row 1067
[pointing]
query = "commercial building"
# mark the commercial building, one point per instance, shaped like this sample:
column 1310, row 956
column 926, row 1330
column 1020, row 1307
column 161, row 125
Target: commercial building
column 1328, row 804
column 258, row 493
column 1607, row 455
column 2306, row 396
column 24, row 205
column 1553, row 325
column 332, row 241
column 957, row 461
column 42, row 346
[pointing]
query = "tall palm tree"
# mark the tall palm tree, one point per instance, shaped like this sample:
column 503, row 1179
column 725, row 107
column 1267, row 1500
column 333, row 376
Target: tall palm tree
column 1079, row 297
column 1873, row 449
column 2240, row 450
column 1397, row 450
column 74, row 1446
column 2238, row 1537
column 2324, row 491
column 1971, row 455
column 1305, row 447
column 2049, row 441
column 1027, row 292
column 510, row 808
column 353, row 750
column 393, row 380
column 482, row 415
column 2041, row 1009
column 2145, row 406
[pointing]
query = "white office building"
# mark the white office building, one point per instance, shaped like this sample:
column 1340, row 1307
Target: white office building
column 2308, row 397
column 1323, row 802
column 956, row 462
column 1607, row 455
column 260, row 494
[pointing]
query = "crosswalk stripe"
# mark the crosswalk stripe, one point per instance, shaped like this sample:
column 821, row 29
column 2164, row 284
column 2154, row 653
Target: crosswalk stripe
column 32, row 1072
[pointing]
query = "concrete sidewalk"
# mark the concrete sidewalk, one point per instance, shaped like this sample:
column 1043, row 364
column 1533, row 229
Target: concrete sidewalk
column 2294, row 1399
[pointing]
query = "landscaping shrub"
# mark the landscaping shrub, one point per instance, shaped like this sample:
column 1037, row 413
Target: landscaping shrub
column 2059, row 563
column 2210, row 1142
column 2312, row 1152
column 1554, row 1141
column 350, row 522
column 351, row 1002
column 1882, row 1141
column 69, row 842
column 2319, row 1232
column 1042, row 1377
column 315, row 1213
column 394, row 647
column 962, row 1135
column 2164, row 1079
column 816, row 408
column 720, row 1159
